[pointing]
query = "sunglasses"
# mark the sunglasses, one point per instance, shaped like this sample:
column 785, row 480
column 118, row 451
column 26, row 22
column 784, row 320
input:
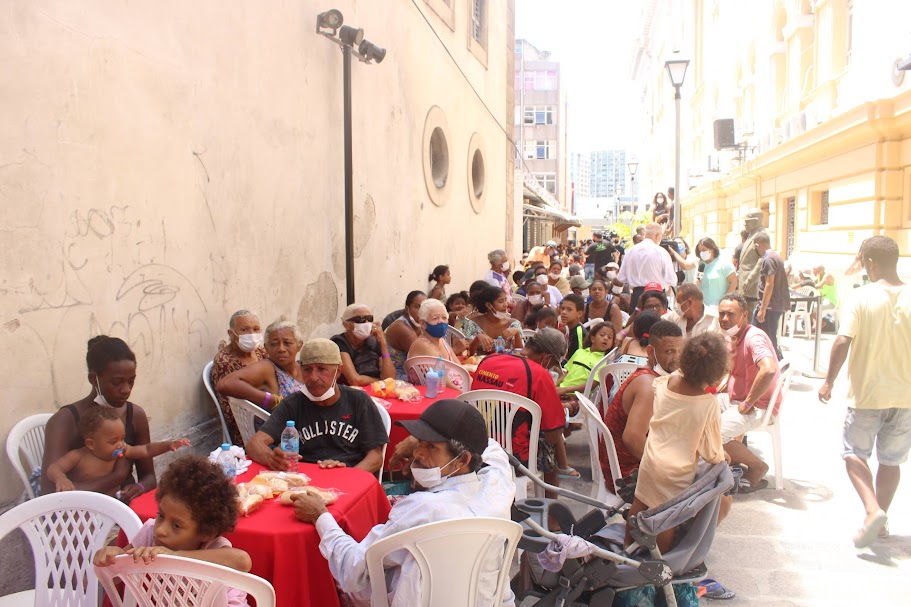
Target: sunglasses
column 360, row 319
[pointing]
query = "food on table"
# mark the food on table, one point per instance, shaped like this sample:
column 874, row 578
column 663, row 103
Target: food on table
column 384, row 387
column 329, row 496
column 294, row 479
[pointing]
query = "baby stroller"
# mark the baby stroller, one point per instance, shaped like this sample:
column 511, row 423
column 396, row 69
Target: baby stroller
column 594, row 582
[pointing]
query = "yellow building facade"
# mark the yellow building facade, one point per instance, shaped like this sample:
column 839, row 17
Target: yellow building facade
column 822, row 120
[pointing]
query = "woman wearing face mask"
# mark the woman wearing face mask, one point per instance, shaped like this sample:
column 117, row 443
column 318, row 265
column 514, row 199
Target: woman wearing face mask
column 402, row 333
column 718, row 277
column 602, row 307
column 556, row 280
column 553, row 296
column 267, row 382
column 660, row 211
column 244, row 348
column 536, row 298
column 492, row 321
column 111, row 374
column 432, row 341
column 365, row 353
column 441, row 277
column 497, row 275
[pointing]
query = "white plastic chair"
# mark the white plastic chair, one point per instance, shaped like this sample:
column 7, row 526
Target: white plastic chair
column 527, row 334
column 802, row 310
column 178, row 581
column 452, row 556
column 499, row 408
column 772, row 423
column 387, row 424
column 597, row 429
column 26, row 441
column 244, row 413
column 417, row 368
column 207, row 380
column 592, row 378
column 620, row 372
column 453, row 332
column 64, row 531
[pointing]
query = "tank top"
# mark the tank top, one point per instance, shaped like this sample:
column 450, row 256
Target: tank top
column 615, row 419
column 605, row 318
column 287, row 385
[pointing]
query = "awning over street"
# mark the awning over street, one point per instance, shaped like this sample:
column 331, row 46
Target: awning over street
column 545, row 211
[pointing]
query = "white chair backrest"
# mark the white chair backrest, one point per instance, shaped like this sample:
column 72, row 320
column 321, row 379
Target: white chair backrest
column 244, row 413
column 64, row 531
column 527, row 333
column 499, row 408
column 593, row 376
column 417, row 368
column 207, row 381
column 781, row 389
column 387, row 424
column 179, row 581
column 597, row 429
column 26, row 441
column 453, row 332
column 452, row 557
column 620, row 372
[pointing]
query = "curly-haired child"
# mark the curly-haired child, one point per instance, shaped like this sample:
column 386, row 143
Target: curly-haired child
column 196, row 505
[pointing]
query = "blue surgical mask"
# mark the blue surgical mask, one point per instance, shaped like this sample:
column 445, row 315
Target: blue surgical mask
column 438, row 330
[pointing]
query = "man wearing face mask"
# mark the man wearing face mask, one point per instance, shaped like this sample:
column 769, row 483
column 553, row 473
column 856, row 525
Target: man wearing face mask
column 543, row 279
column 630, row 409
column 499, row 270
column 365, row 354
column 754, row 371
column 465, row 475
column 599, row 254
column 527, row 374
column 339, row 426
column 691, row 314
column 750, row 261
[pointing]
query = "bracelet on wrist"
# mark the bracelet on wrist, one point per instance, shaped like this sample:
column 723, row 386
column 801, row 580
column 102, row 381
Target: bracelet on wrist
column 266, row 400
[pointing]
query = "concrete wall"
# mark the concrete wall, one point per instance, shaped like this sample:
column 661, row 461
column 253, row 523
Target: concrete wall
column 164, row 164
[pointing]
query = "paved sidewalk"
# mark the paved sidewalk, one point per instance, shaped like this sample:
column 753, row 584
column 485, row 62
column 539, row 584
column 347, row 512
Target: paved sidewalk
column 793, row 547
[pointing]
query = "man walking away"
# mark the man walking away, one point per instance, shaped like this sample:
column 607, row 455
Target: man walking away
column 876, row 329
column 774, row 298
column 647, row 262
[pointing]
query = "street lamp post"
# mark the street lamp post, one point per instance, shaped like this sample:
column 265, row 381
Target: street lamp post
column 329, row 24
column 676, row 71
column 633, row 166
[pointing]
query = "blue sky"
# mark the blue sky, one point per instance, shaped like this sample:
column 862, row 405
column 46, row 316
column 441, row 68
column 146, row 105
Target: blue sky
column 593, row 41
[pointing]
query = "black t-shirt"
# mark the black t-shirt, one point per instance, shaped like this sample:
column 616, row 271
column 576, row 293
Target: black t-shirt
column 345, row 431
column 366, row 360
column 600, row 254
column 772, row 264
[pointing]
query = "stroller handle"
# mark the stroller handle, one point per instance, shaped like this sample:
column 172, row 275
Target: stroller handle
column 559, row 491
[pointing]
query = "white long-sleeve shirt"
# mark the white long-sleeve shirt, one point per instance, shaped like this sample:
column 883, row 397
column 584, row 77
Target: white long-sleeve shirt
column 647, row 262
column 488, row 492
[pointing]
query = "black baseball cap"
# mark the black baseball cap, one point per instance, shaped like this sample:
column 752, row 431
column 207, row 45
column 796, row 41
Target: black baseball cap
column 450, row 419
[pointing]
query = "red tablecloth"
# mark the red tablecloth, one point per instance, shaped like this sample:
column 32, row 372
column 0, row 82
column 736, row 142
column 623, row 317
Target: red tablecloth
column 400, row 410
column 284, row 550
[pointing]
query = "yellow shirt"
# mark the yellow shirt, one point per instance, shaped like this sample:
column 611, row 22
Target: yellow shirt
column 683, row 429
column 878, row 320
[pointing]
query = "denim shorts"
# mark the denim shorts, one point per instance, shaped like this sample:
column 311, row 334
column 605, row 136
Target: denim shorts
column 889, row 429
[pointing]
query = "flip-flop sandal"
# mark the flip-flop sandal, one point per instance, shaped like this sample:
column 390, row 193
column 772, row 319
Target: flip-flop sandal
column 884, row 532
column 569, row 473
column 869, row 532
column 714, row 590
column 745, row 487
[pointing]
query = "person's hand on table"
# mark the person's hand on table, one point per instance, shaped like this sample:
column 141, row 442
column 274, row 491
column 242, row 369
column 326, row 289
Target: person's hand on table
column 307, row 508
column 147, row 553
column 277, row 461
column 485, row 343
column 825, row 392
column 331, row 463
column 401, row 457
column 105, row 557
column 130, row 492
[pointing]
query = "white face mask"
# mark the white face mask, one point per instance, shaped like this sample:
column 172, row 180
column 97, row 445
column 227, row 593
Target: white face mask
column 362, row 330
column 505, row 266
column 431, row 477
column 732, row 332
column 324, row 396
column 501, row 315
column 660, row 370
column 616, row 290
column 542, row 279
column 535, row 299
column 100, row 399
column 554, row 276
column 678, row 310
column 585, row 293
column 250, row 341
column 706, row 255
column 611, row 275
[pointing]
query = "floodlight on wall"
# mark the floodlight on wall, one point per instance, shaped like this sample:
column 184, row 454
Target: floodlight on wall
column 368, row 52
column 330, row 20
column 351, row 41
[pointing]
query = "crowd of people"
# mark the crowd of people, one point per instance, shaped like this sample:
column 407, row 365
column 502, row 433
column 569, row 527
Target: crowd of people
column 700, row 328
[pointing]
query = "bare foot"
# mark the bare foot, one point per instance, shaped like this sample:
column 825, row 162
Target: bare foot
column 755, row 474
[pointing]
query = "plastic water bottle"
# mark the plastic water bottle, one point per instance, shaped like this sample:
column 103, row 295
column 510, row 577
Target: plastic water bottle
column 500, row 344
column 433, row 384
column 290, row 444
column 440, row 370
column 225, row 461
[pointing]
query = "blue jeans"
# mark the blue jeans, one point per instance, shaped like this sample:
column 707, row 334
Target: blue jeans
column 589, row 269
column 770, row 326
